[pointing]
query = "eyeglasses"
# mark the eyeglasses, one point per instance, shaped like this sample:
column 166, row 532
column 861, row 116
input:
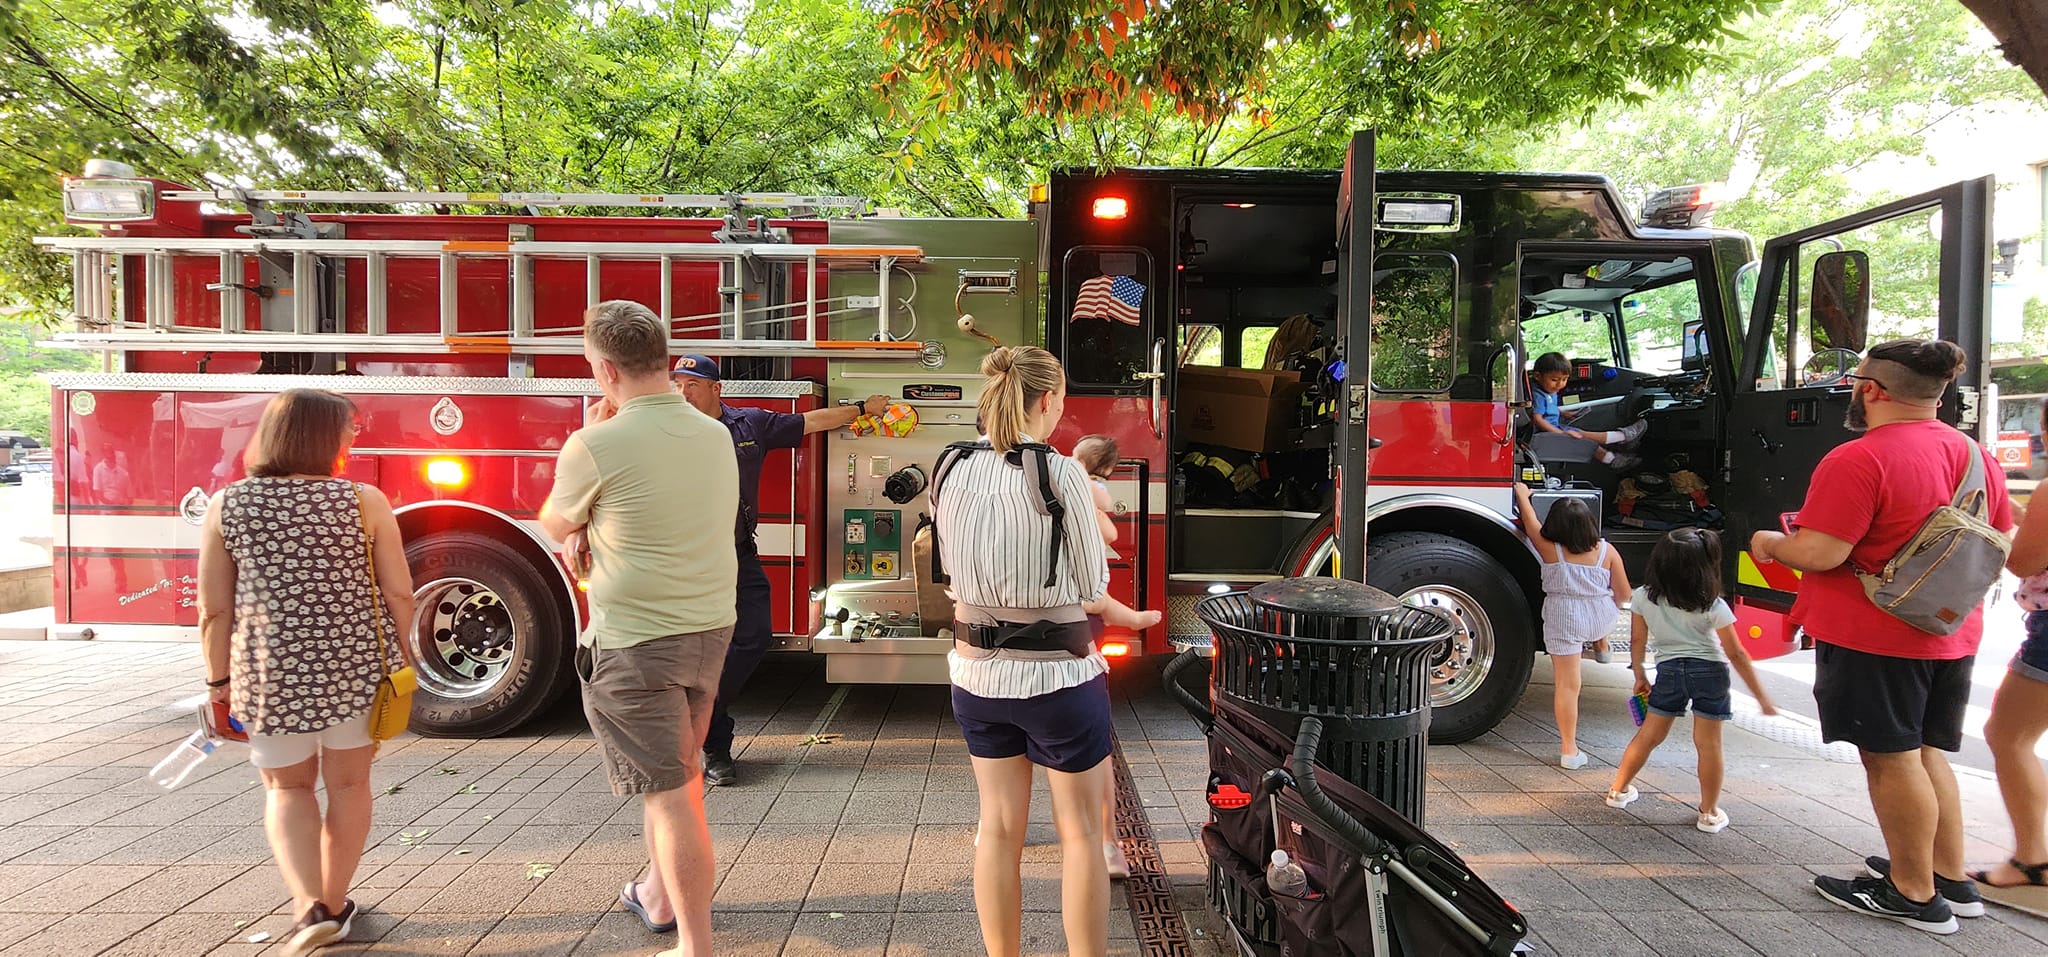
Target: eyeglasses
column 1865, row 378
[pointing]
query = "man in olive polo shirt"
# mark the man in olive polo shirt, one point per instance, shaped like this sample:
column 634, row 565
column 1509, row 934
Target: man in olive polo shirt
column 662, row 578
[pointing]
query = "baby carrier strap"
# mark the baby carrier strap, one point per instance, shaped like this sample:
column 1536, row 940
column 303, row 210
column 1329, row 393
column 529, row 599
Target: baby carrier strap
column 1034, row 459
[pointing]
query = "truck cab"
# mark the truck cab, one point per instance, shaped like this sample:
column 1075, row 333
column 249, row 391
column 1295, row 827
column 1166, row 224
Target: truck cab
column 1226, row 386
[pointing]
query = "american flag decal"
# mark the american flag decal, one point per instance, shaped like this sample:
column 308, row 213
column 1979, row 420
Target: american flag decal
column 1115, row 298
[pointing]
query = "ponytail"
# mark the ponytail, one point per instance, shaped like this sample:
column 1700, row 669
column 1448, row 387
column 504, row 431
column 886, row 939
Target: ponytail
column 1018, row 377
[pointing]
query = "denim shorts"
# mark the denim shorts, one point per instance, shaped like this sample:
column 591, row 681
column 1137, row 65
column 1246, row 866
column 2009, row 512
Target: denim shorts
column 1067, row 730
column 1695, row 681
column 2032, row 659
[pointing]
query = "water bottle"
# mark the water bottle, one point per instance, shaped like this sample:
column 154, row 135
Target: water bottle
column 187, row 756
column 1284, row 877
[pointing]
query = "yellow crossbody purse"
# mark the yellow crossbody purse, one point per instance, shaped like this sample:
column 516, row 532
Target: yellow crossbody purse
column 391, row 706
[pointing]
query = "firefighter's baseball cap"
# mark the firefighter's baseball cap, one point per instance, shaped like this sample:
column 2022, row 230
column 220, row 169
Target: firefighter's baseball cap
column 696, row 367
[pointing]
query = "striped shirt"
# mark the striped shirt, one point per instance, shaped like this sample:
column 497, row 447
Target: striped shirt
column 995, row 544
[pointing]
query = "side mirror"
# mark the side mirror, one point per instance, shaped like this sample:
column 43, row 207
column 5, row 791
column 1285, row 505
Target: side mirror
column 1841, row 301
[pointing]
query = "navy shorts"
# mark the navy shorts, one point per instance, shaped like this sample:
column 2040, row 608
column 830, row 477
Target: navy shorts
column 2032, row 659
column 1067, row 730
column 1695, row 681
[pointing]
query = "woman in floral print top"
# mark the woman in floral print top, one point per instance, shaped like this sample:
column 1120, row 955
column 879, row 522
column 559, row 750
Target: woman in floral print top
column 289, row 621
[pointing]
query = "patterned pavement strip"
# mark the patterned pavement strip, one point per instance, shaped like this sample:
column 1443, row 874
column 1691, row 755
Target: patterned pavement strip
column 852, row 832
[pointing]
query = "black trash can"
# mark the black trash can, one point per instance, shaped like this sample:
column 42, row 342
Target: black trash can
column 1341, row 651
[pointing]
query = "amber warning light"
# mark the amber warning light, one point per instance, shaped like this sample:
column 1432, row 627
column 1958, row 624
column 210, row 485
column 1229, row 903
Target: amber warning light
column 447, row 473
column 1112, row 207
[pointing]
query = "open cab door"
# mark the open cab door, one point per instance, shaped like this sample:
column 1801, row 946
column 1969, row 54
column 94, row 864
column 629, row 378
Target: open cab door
column 1355, row 214
column 1915, row 268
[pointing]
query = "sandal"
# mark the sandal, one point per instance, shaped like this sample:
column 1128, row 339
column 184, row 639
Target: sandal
column 2037, row 874
column 630, row 897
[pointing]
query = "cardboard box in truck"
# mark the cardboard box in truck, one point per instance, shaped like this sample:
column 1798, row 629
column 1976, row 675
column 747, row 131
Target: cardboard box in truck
column 1237, row 408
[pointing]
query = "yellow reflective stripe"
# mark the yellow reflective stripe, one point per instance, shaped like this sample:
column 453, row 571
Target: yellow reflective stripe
column 1747, row 573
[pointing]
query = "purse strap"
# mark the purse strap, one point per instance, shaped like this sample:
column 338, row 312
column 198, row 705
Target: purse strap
column 376, row 595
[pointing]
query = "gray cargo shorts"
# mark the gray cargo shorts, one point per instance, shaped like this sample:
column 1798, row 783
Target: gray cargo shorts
column 650, row 705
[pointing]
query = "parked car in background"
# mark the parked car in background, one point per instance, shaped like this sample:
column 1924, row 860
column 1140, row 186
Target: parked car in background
column 16, row 471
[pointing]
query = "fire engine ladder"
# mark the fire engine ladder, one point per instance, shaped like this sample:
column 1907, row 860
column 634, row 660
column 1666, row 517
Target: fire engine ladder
column 98, row 263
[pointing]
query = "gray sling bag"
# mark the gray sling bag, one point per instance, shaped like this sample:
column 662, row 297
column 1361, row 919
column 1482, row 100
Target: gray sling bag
column 1946, row 568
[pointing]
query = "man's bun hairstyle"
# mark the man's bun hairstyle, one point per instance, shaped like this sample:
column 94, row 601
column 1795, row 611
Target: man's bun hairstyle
column 1918, row 368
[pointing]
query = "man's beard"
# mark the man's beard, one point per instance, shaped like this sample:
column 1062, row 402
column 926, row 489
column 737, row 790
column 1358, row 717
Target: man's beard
column 1854, row 419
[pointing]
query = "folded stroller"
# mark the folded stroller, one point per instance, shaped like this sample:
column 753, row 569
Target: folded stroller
column 1378, row 885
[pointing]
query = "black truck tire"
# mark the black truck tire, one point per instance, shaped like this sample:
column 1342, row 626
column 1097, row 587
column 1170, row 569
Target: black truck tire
column 490, row 638
column 1498, row 645
column 1477, row 688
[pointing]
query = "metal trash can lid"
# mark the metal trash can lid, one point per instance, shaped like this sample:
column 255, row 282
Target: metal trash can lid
column 1323, row 597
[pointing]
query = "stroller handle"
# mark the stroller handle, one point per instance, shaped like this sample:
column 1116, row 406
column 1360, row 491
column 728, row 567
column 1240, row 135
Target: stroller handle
column 1303, row 768
column 1171, row 679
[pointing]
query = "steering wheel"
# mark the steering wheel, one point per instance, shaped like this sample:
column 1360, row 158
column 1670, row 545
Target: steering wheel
column 1845, row 360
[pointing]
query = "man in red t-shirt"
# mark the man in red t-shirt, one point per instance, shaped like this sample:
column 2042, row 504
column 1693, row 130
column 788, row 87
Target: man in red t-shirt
column 1897, row 693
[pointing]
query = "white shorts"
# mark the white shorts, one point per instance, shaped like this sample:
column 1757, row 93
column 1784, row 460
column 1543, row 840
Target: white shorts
column 285, row 750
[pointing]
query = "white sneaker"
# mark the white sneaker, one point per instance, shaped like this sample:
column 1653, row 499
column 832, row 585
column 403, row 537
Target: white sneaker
column 1623, row 797
column 1713, row 823
column 1572, row 762
column 1113, row 855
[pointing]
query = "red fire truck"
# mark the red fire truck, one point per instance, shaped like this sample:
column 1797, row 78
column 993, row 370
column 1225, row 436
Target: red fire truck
column 1299, row 367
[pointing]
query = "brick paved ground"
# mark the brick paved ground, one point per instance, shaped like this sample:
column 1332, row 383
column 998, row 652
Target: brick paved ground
column 852, row 833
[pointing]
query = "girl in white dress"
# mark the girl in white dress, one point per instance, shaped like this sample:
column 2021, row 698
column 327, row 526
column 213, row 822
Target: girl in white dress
column 1584, row 587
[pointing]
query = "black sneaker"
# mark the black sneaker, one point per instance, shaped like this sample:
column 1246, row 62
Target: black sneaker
column 719, row 769
column 1961, row 895
column 316, row 928
column 1878, row 898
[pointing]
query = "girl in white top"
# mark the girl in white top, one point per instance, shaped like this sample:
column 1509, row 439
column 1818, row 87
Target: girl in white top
column 1683, row 618
column 1019, row 708
column 1584, row 587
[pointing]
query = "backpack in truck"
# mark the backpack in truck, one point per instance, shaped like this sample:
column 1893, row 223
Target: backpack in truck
column 1946, row 568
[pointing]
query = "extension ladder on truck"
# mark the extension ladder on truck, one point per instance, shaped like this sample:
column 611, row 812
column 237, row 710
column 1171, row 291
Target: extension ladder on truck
column 291, row 261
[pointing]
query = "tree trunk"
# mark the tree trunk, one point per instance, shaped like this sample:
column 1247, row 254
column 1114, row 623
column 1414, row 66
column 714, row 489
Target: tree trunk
column 2021, row 27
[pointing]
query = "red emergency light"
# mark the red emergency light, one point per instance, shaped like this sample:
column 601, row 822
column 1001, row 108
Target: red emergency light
column 1112, row 207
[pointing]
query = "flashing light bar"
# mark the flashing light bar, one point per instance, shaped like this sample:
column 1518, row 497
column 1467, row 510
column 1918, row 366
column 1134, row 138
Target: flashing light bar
column 1683, row 207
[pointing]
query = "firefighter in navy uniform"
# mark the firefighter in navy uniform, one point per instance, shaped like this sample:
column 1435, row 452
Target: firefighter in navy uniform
column 755, row 433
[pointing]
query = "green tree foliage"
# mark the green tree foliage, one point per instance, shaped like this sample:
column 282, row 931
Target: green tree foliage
column 701, row 95
column 975, row 99
column 1816, row 92
column 24, row 396
column 1404, row 64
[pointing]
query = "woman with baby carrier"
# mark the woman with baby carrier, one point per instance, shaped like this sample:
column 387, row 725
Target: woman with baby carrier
column 1015, row 531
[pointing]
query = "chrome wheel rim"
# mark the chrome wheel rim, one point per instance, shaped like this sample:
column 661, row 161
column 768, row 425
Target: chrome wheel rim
column 463, row 637
column 1462, row 663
